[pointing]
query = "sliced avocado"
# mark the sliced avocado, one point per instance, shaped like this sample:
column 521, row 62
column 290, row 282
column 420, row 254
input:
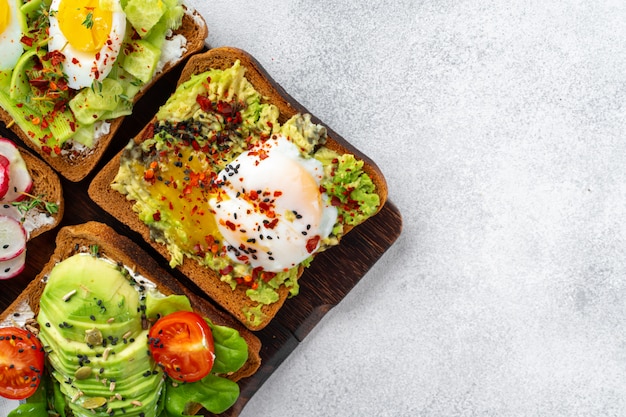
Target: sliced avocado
column 108, row 375
column 85, row 288
column 141, row 60
column 99, row 101
column 144, row 14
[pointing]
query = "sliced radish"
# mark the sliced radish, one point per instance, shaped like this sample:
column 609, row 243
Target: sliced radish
column 8, row 209
column 20, row 180
column 12, row 267
column 12, row 238
column 4, row 175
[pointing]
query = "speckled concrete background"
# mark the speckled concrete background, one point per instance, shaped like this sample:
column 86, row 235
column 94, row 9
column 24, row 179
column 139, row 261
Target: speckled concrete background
column 500, row 129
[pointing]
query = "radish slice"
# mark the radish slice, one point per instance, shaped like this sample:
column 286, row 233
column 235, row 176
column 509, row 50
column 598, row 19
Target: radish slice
column 12, row 238
column 12, row 267
column 8, row 209
column 20, row 180
column 4, row 175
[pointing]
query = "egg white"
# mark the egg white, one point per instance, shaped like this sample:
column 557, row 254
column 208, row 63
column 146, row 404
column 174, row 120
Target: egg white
column 82, row 68
column 300, row 216
column 10, row 43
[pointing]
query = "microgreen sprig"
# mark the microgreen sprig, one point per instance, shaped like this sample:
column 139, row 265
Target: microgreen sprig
column 88, row 22
column 35, row 201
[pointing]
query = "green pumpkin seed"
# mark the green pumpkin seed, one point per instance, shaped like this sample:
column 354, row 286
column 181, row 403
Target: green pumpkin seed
column 94, row 402
column 83, row 372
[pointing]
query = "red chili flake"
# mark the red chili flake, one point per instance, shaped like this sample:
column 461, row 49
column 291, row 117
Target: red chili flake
column 157, row 216
column 75, row 61
column 39, row 84
column 264, row 206
column 270, row 124
column 56, row 57
column 204, row 102
column 253, row 195
column 46, row 149
column 334, row 201
column 312, row 243
column 230, row 225
column 226, row 270
column 57, row 150
column 278, row 193
column 271, row 225
column 27, row 41
column 19, row 105
column 267, row 276
column 149, row 174
column 224, row 107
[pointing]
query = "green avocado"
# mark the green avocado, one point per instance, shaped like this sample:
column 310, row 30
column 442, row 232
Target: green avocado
column 90, row 322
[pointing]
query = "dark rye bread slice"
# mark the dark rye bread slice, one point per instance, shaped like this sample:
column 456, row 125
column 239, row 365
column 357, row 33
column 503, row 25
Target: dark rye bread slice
column 77, row 165
column 117, row 205
column 47, row 184
column 73, row 239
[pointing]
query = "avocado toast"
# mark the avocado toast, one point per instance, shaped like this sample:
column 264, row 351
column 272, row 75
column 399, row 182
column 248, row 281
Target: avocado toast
column 70, row 126
column 228, row 93
column 103, row 344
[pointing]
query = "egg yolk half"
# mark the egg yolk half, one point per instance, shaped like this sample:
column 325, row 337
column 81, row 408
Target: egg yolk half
column 5, row 15
column 85, row 24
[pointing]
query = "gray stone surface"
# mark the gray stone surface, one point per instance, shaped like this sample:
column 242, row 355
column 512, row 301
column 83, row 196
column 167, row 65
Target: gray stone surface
column 500, row 129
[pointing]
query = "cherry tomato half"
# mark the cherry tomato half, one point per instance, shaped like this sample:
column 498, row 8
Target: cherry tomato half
column 21, row 363
column 182, row 344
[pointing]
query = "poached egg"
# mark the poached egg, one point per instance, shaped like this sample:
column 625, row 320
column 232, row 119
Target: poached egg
column 269, row 208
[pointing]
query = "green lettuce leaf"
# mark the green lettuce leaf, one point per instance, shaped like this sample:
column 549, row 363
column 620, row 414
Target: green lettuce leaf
column 214, row 393
column 231, row 350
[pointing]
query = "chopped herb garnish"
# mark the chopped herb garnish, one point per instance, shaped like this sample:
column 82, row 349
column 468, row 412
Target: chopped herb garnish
column 88, row 22
column 35, row 201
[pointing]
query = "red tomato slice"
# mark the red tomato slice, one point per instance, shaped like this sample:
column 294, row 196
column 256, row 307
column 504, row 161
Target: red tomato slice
column 182, row 344
column 21, row 363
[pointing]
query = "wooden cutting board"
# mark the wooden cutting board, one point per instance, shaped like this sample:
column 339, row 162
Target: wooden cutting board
column 322, row 286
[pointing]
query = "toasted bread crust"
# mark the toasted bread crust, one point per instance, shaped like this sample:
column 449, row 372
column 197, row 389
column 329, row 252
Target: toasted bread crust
column 77, row 166
column 209, row 281
column 71, row 239
column 47, row 183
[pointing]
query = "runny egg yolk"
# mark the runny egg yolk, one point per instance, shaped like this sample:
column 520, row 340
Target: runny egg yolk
column 179, row 193
column 5, row 15
column 84, row 23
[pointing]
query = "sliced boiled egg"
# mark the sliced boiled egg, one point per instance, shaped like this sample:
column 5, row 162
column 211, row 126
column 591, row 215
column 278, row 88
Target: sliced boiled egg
column 12, row 27
column 269, row 208
column 89, row 33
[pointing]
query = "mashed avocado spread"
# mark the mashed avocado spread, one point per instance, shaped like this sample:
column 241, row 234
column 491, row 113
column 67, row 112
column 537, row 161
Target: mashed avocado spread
column 196, row 148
